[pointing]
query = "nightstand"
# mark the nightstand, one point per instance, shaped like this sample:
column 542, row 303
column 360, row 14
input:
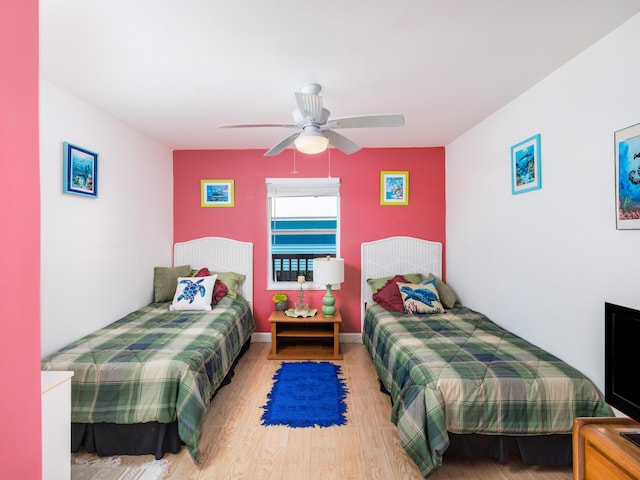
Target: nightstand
column 311, row 338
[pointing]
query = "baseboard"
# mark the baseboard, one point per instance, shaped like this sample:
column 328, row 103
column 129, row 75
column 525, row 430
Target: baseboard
column 350, row 338
column 265, row 337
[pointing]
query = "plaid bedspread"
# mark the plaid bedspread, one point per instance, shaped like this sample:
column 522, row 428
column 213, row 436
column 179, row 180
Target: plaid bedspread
column 459, row 372
column 155, row 365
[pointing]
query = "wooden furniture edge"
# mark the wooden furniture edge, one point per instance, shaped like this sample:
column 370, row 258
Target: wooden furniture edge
column 577, row 440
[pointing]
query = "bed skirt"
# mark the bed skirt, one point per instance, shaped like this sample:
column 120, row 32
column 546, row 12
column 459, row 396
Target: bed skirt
column 152, row 438
column 553, row 449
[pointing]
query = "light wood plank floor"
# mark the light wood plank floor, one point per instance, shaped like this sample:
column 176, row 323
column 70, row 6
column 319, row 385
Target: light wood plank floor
column 235, row 446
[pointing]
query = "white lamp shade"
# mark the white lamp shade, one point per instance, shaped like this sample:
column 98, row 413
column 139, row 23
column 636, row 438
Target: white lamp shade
column 328, row 272
column 311, row 143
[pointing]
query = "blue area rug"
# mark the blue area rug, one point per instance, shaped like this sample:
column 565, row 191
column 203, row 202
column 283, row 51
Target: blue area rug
column 306, row 394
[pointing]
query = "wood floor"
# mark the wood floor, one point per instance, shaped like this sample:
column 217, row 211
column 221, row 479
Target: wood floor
column 235, row 446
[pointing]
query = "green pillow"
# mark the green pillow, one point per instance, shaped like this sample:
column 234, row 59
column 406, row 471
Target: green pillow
column 165, row 281
column 232, row 280
column 377, row 283
column 447, row 296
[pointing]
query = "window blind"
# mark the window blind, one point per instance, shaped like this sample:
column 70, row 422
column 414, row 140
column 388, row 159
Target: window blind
column 303, row 187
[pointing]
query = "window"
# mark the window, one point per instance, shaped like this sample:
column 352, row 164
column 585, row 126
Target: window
column 303, row 223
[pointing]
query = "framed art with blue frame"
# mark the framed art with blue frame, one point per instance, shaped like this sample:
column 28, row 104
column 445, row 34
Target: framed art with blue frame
column 394, row 188
column 80, row 175
column 627, row 161
column 217, row 193
column 526, row 165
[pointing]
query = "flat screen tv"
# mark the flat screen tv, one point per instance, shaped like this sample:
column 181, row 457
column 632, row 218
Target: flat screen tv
column 621, row 378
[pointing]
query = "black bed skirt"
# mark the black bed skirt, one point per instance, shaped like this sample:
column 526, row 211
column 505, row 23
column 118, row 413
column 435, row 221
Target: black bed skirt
column 152, row 438
column 552, row 449
column 106, row 439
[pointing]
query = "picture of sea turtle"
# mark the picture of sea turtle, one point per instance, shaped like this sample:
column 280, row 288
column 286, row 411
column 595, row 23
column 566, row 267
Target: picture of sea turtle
column 191, row 290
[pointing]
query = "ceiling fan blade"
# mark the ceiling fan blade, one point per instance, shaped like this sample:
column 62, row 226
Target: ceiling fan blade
column 282, row 144
column 341, row 142
column 253, row 125
column 368, row 121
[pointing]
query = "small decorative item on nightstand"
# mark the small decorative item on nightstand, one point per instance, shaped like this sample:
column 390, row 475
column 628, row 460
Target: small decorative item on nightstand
column 328, row 271
column 280, row 302
column 301, row 308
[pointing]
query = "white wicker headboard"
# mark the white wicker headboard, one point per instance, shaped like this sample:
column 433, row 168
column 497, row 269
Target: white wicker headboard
column 397, row 255
column 221, row 255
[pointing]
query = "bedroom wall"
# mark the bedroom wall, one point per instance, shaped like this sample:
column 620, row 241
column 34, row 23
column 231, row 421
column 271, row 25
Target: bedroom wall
column 543, row 263
column 98, row 254
column 362, row 216
column 20, row 442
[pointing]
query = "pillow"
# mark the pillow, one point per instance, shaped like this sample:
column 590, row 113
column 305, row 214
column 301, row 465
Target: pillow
column 420, row 298
column 377, row 283
column 219, row 289
column 219, row 292
column 231, row 280
column 203, row 272
column 165, row 280
column 193, row 293
column 388, row 296
column 447, row 296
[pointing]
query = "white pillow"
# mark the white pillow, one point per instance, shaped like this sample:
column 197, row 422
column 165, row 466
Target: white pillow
column 193, row 293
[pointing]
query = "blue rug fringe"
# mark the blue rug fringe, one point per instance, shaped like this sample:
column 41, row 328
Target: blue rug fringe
column 306, row 394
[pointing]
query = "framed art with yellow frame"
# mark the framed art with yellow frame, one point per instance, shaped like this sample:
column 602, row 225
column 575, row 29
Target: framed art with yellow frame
column 394, row 188
column 217, row 193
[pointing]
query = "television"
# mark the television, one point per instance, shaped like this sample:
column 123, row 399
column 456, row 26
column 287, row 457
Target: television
column 621, row 379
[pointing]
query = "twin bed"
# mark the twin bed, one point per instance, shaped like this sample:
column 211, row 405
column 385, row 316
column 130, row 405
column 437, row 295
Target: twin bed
column 143, row 383
column 460, row 385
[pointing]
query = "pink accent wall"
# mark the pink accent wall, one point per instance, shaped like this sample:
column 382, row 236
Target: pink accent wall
column 20, row 442
column 362, row 216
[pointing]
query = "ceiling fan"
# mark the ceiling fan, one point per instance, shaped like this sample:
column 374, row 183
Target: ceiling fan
column 316, row 129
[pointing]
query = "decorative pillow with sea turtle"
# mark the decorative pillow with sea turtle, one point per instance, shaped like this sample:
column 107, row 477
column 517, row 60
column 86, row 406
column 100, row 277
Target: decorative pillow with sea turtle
column 420, row 298
column 193, row 293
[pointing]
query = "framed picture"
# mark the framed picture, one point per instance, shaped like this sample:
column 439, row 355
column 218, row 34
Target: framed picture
column 80, row 171
column 525, row 165
column 627, row 159
column 394, row 188
column 216, row 193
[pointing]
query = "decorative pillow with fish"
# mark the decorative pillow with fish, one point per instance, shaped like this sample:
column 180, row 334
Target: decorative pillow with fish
column 193, row 293
column 420, row 298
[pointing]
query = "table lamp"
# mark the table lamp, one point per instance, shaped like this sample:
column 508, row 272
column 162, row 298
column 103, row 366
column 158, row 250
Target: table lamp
column 328, row 271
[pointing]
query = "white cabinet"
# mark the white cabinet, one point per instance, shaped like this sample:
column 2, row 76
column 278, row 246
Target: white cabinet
column 56, row 425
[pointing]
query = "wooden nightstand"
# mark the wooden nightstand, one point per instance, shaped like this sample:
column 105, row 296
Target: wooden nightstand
column 600, row 452
column 312, row 338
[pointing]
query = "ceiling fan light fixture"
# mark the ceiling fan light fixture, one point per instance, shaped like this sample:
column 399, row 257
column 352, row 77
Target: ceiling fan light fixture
column 311, row 143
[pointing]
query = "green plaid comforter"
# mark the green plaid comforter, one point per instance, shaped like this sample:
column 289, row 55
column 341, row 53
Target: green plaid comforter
column 459, row 372
column 155, row 365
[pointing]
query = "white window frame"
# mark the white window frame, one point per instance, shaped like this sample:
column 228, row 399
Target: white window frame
column 304, row 187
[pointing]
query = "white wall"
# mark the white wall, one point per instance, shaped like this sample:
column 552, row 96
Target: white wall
column 98, row 254
column 543, row 263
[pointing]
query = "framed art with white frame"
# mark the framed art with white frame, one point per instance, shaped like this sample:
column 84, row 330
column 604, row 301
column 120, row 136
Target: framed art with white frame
column 627, row 161
column 217, row 193
column 525, row 165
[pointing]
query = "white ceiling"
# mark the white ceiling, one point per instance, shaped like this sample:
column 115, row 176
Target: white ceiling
column 175, row 69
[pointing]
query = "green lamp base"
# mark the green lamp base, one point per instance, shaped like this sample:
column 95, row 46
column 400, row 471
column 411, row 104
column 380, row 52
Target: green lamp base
column 328, row 302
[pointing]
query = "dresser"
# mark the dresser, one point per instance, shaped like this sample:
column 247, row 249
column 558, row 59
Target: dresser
column 56, row 425
column 600, row 452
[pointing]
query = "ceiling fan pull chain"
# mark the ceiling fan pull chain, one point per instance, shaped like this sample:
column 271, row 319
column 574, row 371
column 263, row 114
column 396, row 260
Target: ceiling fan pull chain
column 294, row 163
column 329, row 157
